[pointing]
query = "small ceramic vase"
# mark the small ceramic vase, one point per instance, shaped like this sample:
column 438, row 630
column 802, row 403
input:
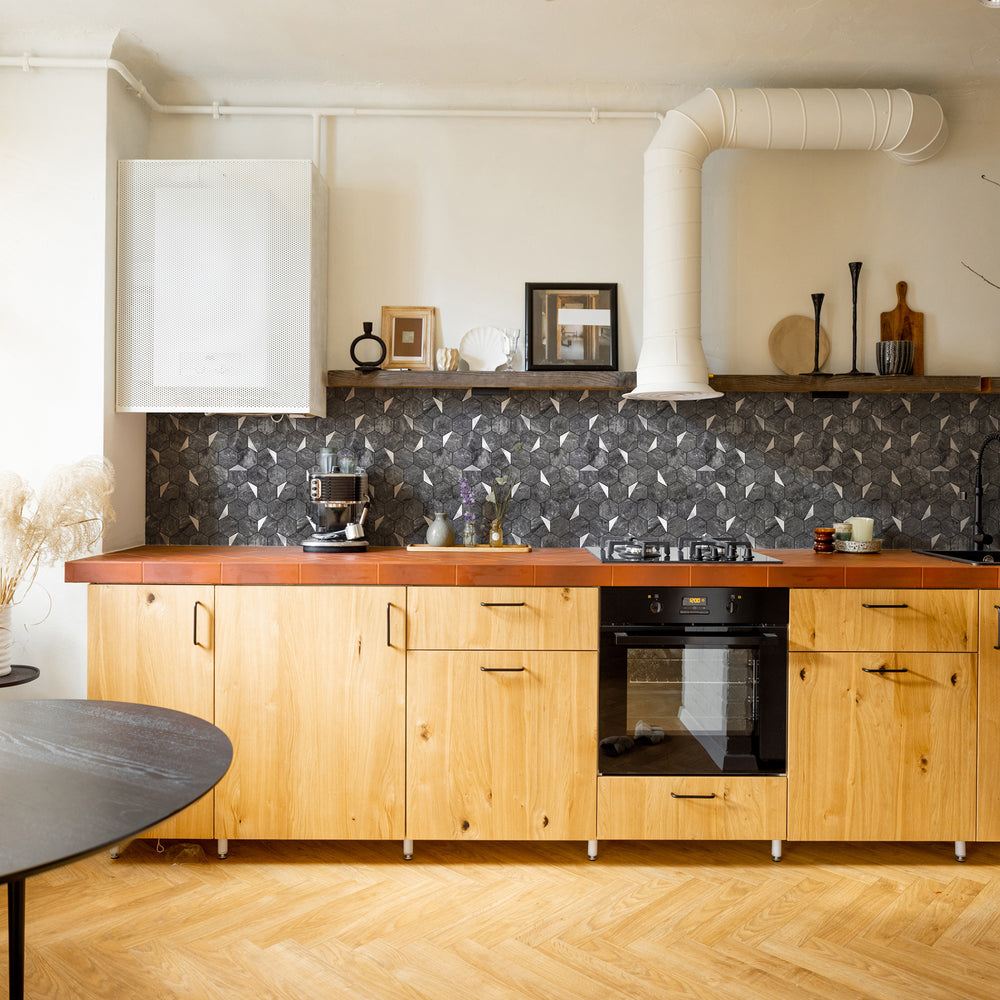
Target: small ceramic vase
column 447, row 359
column 440, row 532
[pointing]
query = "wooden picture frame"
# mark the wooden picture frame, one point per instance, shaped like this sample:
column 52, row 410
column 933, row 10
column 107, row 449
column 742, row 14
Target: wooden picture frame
column 408, row 332
column 572, row 326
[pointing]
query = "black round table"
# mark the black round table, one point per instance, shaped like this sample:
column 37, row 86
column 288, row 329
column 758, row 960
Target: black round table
column 80, row 776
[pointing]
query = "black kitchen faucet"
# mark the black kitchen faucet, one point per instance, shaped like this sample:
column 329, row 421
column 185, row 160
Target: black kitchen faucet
column 980, row 539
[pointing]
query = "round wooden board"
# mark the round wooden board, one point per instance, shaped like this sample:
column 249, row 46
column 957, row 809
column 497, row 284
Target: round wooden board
column 793, row 344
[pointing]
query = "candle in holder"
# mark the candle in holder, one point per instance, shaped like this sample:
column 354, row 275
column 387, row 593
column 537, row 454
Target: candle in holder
column 861, row 528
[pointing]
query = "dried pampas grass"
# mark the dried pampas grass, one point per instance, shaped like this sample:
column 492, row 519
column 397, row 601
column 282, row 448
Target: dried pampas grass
column 60, row 523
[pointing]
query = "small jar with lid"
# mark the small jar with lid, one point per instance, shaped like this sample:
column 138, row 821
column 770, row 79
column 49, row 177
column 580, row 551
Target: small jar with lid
column 823, row 540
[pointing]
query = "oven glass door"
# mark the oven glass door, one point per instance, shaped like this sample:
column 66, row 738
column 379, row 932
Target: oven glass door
column 692, row 702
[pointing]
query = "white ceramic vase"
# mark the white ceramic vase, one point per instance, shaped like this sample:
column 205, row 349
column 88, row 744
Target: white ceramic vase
column 6, row 638
column 447, row 359
column 440, row 533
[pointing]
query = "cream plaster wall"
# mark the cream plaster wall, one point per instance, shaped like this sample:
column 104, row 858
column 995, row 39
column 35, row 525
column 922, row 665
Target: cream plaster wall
column 460, row 213
column 124, row 433
column 779, row 226
column 56, row 319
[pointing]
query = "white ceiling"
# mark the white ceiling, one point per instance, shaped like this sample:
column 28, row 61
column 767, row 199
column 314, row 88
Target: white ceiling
column 624, row 54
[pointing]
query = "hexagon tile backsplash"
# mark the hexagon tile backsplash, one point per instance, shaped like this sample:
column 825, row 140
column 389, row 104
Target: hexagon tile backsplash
column 765, row 465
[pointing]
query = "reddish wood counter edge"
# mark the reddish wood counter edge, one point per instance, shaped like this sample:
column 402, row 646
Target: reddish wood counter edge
column 219, row 564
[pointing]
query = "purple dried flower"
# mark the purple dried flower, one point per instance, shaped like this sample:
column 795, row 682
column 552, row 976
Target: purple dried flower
column 468, row 495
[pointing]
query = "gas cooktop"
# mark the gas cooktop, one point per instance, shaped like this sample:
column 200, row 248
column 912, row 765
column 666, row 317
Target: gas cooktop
column 686, row 549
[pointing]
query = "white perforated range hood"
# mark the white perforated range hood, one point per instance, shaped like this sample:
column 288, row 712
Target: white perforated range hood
column 221, row 287
column 908, row 127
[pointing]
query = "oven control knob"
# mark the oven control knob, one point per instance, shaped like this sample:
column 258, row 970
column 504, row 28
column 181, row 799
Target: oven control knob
column 655, row 607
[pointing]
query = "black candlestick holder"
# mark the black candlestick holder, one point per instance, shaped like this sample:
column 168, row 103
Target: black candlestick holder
column 855, row 268
column 817, row 298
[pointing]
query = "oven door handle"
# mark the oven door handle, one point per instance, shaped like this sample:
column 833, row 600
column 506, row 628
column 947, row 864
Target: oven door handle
column 677, row 640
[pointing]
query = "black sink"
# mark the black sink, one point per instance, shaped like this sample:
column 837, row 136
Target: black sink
column 975, row 557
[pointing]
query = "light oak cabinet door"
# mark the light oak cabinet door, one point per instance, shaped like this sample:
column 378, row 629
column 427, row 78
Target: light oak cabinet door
column 876, row 754
column 310, row 687
column 988, row 772
column 155, row 646
column 501, row 745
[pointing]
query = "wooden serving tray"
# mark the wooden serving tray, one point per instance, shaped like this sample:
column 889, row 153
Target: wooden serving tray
column 469, row 549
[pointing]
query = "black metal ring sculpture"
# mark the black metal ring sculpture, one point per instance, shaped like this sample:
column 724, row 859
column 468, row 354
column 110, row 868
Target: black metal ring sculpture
column 368, row 366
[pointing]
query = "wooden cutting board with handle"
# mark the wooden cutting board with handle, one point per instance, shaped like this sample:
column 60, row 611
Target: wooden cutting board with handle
column 902, row 323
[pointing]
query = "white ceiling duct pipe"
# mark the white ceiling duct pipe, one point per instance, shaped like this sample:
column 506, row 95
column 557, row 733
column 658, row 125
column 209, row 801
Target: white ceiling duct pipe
column 908, row 127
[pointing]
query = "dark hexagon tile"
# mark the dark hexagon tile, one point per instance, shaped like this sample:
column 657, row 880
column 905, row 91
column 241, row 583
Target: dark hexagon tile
column 677, row 457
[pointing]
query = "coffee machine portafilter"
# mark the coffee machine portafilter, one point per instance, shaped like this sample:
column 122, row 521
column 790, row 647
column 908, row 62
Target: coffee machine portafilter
column 340, row 505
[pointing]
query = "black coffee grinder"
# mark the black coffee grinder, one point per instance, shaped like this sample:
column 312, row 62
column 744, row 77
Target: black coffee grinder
column 340, row 502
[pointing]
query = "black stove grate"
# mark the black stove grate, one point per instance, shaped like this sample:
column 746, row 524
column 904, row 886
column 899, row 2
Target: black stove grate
column 686, row 549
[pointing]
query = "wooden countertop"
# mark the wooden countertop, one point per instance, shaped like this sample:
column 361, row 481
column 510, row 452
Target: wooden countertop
column 219, row 564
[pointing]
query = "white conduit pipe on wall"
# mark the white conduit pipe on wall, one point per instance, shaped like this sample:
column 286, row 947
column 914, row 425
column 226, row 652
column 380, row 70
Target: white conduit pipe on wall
column 908, row 127
column 317, row 113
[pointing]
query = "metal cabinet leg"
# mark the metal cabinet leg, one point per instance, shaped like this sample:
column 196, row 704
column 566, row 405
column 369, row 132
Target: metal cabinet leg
column 223, row 848
column 116, row 850
column 959, row 850
column 408, row 849
column 775, row 850
column 591, row 850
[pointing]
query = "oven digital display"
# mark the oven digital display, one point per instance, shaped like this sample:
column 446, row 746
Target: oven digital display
column 694, row 605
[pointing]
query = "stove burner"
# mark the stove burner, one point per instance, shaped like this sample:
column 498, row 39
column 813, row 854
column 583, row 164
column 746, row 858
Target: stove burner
column 689, row 549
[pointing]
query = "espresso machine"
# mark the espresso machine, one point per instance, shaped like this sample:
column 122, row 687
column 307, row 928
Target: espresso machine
column 339, row 496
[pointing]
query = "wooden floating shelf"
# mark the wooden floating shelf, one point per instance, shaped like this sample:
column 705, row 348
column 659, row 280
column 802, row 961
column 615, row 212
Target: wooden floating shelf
column 624, row 381
column 393, row 378
column 851, row 383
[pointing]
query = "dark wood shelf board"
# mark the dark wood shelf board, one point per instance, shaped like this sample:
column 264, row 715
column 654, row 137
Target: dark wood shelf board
column 393, row 378
column 624, row 381
column 850, row 383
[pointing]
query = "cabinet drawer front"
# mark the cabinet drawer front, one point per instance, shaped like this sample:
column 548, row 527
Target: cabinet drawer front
column 502, row 618
column 870, row 620
column 711, row 808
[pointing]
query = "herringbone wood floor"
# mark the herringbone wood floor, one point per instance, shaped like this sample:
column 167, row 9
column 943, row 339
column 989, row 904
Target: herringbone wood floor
column 646, row 920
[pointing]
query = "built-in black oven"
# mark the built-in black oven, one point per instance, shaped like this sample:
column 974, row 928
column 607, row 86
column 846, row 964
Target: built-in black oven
column 693, row 681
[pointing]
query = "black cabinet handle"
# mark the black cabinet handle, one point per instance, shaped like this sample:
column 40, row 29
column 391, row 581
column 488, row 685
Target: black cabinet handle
column 885, row 605
column 503, row 670
column 501, row 604
column 997, row 609
column 388, row 623
column 674, row 795
column 886, row 670
column 194, row 633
